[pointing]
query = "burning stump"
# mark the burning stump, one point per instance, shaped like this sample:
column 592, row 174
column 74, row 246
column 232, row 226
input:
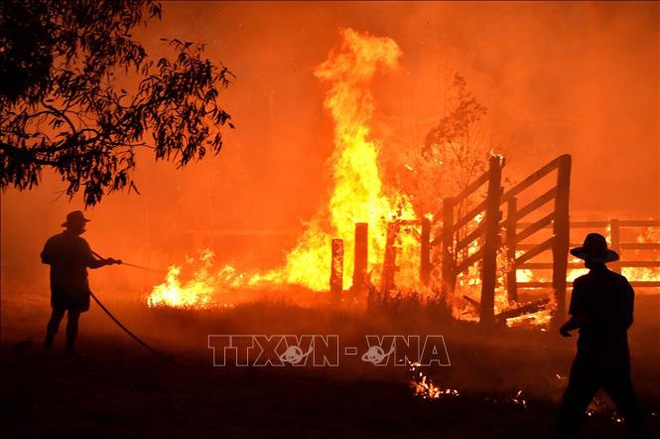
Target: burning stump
column 337, row 270
column 360, row 261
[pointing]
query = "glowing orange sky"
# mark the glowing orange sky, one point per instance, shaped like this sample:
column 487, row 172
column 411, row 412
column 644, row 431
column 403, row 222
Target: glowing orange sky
column 556, row 78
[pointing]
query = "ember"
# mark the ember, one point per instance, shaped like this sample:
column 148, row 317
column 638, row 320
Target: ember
column 517, row 400
column 424, row 387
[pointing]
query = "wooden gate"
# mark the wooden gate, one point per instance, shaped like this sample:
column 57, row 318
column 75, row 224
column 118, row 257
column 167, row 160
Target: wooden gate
column 455, row 239
column 558, row 219
column 477, row 236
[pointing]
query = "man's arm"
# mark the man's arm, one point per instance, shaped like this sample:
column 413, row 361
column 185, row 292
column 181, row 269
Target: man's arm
column 573, row 323
column 47, row 252
column 577, row 310
column 629, row 304
column 91, row 261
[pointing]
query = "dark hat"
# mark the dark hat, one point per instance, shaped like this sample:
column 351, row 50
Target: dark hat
column 595, row 249
column 75, row 217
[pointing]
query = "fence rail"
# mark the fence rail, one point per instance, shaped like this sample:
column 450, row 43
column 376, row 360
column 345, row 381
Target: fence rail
column 557, row 219
column 545, row 284
column 456, row 239
column 613, row 229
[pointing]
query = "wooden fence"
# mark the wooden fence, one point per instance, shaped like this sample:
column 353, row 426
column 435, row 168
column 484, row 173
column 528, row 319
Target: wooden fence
column 494, row 232
column 456, row 239
column 558, row 219
column 612, row 229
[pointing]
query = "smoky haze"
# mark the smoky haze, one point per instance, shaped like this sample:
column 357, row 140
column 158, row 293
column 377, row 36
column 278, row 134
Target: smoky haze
column 578, row 78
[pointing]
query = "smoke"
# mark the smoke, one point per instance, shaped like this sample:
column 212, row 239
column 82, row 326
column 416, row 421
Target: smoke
column 578, row 78
column 556, row 77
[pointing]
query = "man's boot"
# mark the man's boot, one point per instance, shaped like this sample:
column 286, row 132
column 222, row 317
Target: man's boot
column 70, row 344
column 48, row 342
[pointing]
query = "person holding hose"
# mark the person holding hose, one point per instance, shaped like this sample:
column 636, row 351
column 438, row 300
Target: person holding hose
column 69, row 256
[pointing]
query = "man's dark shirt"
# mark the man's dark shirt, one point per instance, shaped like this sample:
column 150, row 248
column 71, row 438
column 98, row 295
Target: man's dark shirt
column 602, row 301
column 69, row 255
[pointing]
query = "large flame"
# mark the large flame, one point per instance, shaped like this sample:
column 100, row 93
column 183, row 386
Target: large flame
column 358, row 194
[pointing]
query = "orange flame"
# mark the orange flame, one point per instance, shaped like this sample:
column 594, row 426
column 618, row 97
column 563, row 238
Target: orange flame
column 358, row 194
column 196, row 292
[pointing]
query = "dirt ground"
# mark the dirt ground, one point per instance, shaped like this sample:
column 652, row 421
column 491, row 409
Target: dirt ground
column 114, row 387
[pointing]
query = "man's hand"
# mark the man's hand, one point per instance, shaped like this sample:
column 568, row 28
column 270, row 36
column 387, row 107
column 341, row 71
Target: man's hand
column 575, row 322
column 565, row 330
column 111, row 261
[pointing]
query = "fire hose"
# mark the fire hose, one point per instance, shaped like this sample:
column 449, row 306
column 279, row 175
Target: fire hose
column 201, row 373
column 131, row 265
column 138, row 339
column 129, row 332
column 121, row 325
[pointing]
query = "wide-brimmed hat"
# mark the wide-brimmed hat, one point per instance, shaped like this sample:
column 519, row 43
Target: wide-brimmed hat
column 595, row 249
column 75, row 218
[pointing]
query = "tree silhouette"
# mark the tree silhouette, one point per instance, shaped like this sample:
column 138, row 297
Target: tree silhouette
column 453, row 152
column 456, row 141
column 62, row 64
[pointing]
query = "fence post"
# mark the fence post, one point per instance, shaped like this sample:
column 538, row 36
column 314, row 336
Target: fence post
column 615, row 242
column 492, row 242
column 448, row 261
column 361, row 258
column 561, row 242
column 511, row 281
column 337, row 270
column 389, row 261
column 425, row 257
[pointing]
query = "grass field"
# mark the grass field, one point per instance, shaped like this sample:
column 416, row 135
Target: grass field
column 116, row 388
